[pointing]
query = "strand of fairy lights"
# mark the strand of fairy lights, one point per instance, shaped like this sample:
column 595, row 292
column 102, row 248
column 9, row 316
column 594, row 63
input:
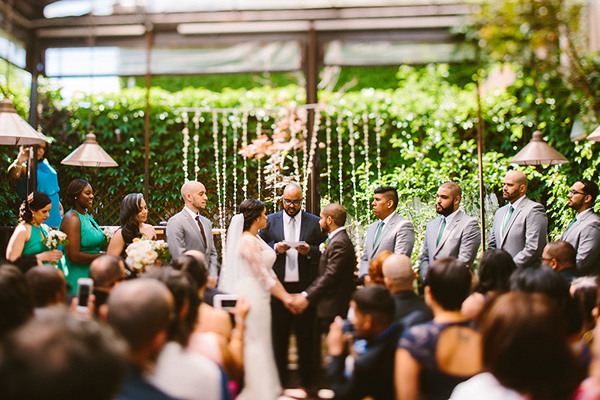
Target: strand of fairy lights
column 351, row 134
column 196, row 148
column 186, row 144
column 224, row 158
column 378, row 123
column 258, row 134
column 293, row 138
column 215, row 130
column 313, row 146
column 365, row 119
column 235, row 147
column 305, row 161
column 340, row 156
column 328, row 152
column 244, row 144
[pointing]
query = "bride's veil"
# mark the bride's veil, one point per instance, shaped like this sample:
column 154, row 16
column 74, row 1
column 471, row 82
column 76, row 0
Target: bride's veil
column 230, row 270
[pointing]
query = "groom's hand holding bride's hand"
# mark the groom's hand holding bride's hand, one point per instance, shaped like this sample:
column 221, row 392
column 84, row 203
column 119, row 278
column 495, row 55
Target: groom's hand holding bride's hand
column 299, row 303
column 288, row 303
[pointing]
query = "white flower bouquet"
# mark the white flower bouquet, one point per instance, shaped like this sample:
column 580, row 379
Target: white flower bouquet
column 143, row 252
column 109, row 231
column 55, row 238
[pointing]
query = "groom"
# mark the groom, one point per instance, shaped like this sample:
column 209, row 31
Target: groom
column 296, row 267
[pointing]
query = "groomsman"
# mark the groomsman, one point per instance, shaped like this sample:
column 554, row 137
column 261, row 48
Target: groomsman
column 520, row 227
column 453, row 233
column 295, row 235
column 584, row 230
column 332, row 290
column 391, row 232
column 188, row 230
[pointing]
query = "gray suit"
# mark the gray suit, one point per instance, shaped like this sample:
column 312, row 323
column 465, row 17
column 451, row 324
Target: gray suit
column 184, row 234
column 397, row 236
column 461, row 239
column 525, row 235
column 584, row 235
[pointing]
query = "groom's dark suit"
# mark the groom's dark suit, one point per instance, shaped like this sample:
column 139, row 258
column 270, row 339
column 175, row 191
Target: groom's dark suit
column 332, row 290
column 284, row 321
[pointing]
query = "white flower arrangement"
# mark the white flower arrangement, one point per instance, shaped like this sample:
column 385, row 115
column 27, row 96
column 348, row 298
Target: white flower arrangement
column 55, row 238
column 142, row 253
column 108, row 232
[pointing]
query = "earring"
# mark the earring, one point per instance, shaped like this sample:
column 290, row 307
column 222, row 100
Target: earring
column 75, row 198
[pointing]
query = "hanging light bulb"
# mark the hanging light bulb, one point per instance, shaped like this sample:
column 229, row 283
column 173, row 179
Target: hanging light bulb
column 538, row 152
column 89, row 154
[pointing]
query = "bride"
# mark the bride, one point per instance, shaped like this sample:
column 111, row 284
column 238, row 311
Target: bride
column 248, row 271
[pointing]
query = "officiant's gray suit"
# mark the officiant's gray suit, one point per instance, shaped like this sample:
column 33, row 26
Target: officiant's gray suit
column 461, row 239
column 183, row 233
column 584, row 235
column 525, row 234
column 397, row 236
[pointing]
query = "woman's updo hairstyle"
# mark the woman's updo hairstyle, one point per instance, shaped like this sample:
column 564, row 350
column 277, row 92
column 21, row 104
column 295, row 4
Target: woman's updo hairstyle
column 130, row 208
column 74, row 190
column 251, row 209
column 34, row 202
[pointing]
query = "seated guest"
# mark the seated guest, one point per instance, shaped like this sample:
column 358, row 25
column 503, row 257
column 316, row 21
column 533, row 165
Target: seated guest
column 133, row 217
column 525, row 352
column 585, row 292
column 213, row 335
column 372, row 376
column 399, row 278
column 179, row 372
column 57, row 356
column 26, row 246
column 375, row 267
column 495, row 268
column 541, row 279
column 106, row 271
column 16, row 303
column 561, row 257
column 432, row 358
column 48, row 286
column 590, row 387
column 210, row 290
column 140, row 311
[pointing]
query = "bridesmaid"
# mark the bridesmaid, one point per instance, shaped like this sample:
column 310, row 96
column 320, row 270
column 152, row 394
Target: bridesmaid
column 85, row 236
column 134, row 214
column 26, row 248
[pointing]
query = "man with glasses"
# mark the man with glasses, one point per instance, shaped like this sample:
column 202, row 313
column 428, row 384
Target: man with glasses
column 583, row 232
column 295, row 235
column 520, row 227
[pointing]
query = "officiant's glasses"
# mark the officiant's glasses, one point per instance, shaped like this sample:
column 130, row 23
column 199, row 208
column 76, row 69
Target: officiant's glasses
column 294, row 202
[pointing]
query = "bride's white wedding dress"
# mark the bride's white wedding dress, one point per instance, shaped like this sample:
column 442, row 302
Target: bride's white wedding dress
column 255, row 279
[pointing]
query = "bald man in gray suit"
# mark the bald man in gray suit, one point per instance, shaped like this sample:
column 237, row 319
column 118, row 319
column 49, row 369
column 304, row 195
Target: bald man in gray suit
column 453, row 233
column 521, row 226
column 584, row 230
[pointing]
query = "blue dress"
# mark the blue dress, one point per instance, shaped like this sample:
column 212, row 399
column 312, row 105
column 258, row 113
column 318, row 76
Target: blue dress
column 47, row 182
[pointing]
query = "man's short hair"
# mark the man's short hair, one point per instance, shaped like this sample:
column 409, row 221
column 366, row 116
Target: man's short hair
column 106, row 270
column 336, row 212
column 390, row 193
column 140, row 309
column 398, row 269
column 194, row 266
column 59, row 356
column 16, row 303
column 563, row 252
column 45, row 282
column 377, row 301
column 453, row 187
column 590, row 187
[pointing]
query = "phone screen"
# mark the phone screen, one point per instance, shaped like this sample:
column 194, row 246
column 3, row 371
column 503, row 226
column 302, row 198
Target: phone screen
column 228, row 303
column 84, row 295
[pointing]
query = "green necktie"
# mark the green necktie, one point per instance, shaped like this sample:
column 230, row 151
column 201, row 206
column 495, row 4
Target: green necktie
column 510, row 211
column 378, row 233
column 571, row 224
column 442, row 227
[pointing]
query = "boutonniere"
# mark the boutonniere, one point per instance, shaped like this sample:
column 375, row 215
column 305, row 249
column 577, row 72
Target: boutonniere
column 323, row 245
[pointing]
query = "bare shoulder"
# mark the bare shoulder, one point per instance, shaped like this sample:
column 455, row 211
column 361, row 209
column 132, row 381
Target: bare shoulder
column 148, row 231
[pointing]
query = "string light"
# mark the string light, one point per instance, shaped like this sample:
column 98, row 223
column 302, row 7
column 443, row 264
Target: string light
column 235, row 150
column 328, row 152
column 196, row 149
column 186, row 144
column 244, row 144
column 258, row 135
column 365, row 119
column 340, row 156
column 378, row 123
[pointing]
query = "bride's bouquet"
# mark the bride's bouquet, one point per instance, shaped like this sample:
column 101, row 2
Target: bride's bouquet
column 55, row 238
column 144, row 252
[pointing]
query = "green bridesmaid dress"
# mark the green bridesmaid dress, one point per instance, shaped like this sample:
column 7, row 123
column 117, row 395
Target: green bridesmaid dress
column 92, row 239
column 35, row 244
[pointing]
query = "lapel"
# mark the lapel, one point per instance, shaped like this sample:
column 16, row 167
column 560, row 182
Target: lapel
column 513, row 217
column 303, row 225
column 448, row 230
column 386, row 228
column 194, row 225
column 278, row 225
column 572, row 229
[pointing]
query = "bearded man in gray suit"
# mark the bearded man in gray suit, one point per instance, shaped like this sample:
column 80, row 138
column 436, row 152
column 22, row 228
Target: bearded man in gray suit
column 391, row 232
column 453, row 233
column 584, row 230
column 188, row 230
column 521, row 226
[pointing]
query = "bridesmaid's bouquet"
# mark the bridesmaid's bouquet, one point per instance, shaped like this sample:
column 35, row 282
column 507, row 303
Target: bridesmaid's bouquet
column 143, row 252
column 108, row 232
column 55, row 238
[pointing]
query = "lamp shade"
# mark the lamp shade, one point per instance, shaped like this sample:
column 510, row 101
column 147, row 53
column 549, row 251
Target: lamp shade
column 14, row 130
column 538, row 152
column 89, row 154
column 595, row 135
